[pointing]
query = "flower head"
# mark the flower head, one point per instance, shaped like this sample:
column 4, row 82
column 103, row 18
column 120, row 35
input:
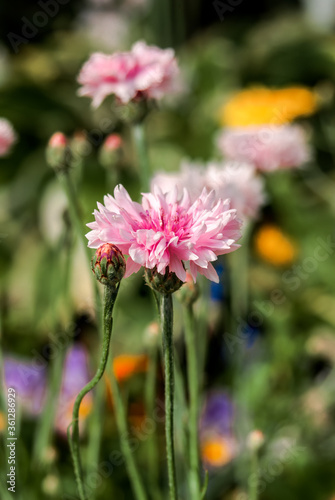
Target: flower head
column 7, row 136
column 217, row 441
column 108, row 264
column 268, row 148
column 233, row 180
column 264, row 106
column 145, row 72
column 126, row 365
column 274, row 246
column 166, row 232
column 238, row 182
column 29, row 382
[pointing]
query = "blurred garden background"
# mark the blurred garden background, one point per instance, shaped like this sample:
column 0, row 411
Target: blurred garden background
column 267, row 372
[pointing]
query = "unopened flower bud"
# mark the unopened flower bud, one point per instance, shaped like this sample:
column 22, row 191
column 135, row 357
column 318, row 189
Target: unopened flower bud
column 189, row 292
column 50, row 485
column 57, row 152
column 110, row 150
column 108, row 264
column 255, row 440
column 80, row 147
column 152, row 333
column 162, row 283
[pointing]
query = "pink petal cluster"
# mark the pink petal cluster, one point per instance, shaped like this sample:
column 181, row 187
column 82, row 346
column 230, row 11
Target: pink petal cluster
column 7, row 136
column 268, row 148
column 167, row 231
column 237, row 181
column 145, row 72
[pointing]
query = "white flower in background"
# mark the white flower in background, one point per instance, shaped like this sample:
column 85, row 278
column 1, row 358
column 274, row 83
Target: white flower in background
column 237, row 181
column 108, row 29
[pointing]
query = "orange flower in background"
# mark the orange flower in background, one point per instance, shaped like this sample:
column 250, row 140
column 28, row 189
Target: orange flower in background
column 217, row 451
column 2, row 422
column 264, row 106
column 274, row 246
column 126, row 365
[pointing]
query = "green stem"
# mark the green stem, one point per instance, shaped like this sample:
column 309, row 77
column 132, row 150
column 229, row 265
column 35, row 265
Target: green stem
column 76, row 218
column 121, row 421
column 142, row 155
column 253, row 485
column 75, row 210
column 150, row 393
column 109, row 300
column 167, row 333
column 193, row 390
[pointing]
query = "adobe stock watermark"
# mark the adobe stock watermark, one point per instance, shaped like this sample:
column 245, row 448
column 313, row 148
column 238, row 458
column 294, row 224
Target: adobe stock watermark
column 223, row 7
column 272, row 469
column 31, row 27
column 292, row 278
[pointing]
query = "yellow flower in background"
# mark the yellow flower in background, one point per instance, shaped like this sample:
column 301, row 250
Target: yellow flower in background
column 274, row 246
column 264, row 106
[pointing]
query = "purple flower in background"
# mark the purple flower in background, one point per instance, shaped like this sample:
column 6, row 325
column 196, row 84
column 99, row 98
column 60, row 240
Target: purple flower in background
column 217, row 441
column 29, row 381
column 75, row 376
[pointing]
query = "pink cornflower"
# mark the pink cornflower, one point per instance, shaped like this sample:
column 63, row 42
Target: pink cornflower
column 145, row 72
column 166, row 231
column 267, row 147
column 7, row 136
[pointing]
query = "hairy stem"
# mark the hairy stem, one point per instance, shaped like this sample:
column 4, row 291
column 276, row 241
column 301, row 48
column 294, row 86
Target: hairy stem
column 193, row 390
column 167, row 331
column 109, row 300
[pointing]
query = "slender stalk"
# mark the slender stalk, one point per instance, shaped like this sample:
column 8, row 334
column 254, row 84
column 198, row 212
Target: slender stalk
column 75, row 210
column 167, row 331
column 253, row 485
column 76, row 218
column 109, row 300
column 193, row 390
column 121, row 421
column 142, row 154
column 150, row 393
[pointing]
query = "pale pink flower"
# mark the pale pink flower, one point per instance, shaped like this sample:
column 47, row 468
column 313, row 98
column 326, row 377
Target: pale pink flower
column 268, row 148
column 237, row 181
column 145, row 72
column 240, row 183
column 7, row 136
column 191, row 176
column 166, row 231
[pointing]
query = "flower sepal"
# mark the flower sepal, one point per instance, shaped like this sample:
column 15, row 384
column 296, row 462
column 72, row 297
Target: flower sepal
column 162, row 283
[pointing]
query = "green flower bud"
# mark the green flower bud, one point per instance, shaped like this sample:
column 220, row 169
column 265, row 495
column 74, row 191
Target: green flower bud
column 110, row 152
column 108, row 264
column 162, row 283
column 58, row 153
